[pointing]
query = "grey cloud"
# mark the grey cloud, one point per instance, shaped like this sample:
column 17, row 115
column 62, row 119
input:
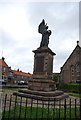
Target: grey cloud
column 53, row 12
column 62, row 19
column 7, row 41
column 23, row 63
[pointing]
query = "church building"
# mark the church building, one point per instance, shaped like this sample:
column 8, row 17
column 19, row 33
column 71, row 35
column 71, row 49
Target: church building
column 71, row 70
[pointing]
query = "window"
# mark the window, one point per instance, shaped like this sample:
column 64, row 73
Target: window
column 72, row 70
column 77, row 70
column 4, row 69
column 22, row 77
column 72, row 73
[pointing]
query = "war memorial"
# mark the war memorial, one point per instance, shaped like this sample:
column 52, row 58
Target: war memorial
column 42, row 85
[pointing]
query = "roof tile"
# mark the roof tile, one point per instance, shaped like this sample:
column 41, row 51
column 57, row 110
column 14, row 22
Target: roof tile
column 21, row 73
column 3, row 63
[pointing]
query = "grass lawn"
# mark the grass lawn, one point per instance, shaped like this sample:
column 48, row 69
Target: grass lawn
column 40, row 113
column 12, row 89
column 74, row 94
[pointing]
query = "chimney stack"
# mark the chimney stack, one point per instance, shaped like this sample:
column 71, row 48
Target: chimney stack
column 18, row 69
column 3, row 58
column 77, row 42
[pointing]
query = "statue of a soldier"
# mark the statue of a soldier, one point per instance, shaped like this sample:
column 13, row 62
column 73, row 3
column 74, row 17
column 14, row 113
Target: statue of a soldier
column 42, row 28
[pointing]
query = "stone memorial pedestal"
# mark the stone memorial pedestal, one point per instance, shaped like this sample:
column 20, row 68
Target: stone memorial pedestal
column 42, row 85
column 42, row 74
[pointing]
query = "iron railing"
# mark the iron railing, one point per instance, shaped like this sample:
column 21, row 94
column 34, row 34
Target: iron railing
column 30, row 107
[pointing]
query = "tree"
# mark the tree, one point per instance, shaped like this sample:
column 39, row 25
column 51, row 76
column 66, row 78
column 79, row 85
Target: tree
column 55, row 77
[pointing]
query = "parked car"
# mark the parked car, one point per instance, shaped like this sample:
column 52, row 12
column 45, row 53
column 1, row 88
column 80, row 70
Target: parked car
column 22, row 82
column 2, row 82
column 78, row 81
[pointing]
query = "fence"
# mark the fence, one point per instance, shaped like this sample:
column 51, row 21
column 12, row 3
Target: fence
column 36, row 108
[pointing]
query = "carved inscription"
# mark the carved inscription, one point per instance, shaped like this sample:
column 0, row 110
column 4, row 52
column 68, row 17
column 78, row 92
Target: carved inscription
column 39, row 64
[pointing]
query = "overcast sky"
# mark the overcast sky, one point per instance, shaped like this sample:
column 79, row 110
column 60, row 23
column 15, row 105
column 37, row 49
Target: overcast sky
column 19, row 31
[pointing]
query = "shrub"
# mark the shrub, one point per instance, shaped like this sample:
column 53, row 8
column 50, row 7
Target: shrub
column 70, row 87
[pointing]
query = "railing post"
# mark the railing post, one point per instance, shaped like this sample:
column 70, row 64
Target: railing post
column 25, row 108
column 75, row 109
column 31, row 108
column 15, row 107
column 37, row 110
column 59, row 108
column 70, row 108
column 10, row 106
column 54, row 108
column 80, row 108
column 42, row 108
column 20, row 107
column 3, row 117
column 65, row 109
column 48, row 108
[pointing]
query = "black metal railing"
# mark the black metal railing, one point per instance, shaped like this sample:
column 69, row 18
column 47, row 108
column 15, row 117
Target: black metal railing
column 19, row 107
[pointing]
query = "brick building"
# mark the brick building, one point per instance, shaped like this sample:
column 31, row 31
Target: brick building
column 5, row 70
column 71, row 70
column 21, row 76
column 12, row 76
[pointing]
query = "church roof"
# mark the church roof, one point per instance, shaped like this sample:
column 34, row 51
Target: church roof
column 77, row 47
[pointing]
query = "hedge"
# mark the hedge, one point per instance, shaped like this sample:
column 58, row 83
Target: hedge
column 71, row 87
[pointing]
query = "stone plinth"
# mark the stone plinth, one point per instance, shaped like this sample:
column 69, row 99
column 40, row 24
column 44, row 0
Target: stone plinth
column 43, row 68
column 41, row 95
column 41, row 85
column 43, row 63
